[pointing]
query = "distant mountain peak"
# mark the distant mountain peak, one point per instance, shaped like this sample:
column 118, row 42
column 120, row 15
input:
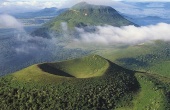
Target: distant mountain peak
column 82, row 3
column 49, row 8
column 85, row 5
column 91, row 8
column 83, row 15
column 78, row 5
column 52, row 9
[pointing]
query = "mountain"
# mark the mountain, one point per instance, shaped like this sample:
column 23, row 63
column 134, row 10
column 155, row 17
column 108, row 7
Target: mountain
column 41, row 13
column 83, row 15
column 91, row 82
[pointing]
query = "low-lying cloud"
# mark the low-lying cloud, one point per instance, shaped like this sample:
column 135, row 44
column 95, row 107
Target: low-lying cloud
column 108, row 35
column 7, row 21
column 23, row 42
column 18, row 47
column 27, row 44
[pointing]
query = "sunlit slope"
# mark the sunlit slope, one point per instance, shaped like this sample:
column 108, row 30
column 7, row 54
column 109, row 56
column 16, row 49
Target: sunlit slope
column 35, row 74
column 153, row 94
column 86, row 67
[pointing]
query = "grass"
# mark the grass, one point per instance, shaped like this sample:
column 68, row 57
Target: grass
column 149, row 98
column 161, row 68
column 152, row 94
column 85, row 67
column 35, row 74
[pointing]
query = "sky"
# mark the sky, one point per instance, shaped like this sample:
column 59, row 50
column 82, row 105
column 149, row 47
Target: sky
column 21, row 6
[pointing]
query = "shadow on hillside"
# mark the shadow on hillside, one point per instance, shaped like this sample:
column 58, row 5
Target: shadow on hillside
column 123, row 73
column 51, row 70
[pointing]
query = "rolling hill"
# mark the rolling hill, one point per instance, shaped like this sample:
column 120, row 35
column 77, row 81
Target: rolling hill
column 83, row 15
column 91, row 82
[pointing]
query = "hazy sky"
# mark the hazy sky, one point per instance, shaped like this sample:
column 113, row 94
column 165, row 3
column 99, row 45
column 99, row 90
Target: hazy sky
column 11, row 6
column 55, row 3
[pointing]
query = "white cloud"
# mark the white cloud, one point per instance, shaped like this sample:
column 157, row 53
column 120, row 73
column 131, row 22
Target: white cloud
column 109, row 35
column 25, row 43
column 7, row 21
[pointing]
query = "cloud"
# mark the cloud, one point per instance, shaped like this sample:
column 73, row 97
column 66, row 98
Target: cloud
column 29, row 45
column 109, row 35
column 155, row 5
column 7, row 21
column 33, row 45
column 25, row 43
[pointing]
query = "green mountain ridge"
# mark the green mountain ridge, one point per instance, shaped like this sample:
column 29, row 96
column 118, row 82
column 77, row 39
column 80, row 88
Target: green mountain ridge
column 82, row 15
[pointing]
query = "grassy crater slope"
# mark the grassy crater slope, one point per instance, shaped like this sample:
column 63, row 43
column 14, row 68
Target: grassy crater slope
column 90, row 82
column 86, row 67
